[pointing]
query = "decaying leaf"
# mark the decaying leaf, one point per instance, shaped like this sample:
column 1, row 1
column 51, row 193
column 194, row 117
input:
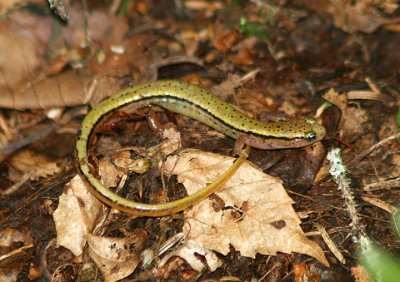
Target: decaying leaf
column 11, row 235
column 352, row 126
column 358, row 16
column 78, row 209
column 75, row 215
column 64, row 89
column 190, row 252
column 25, row 80
column 18, row 59
column 37, row 165
column 351, row 119
column 116, row 257
column 339, row 100
column 360, row 274
column 111, row 174
column 251, row 212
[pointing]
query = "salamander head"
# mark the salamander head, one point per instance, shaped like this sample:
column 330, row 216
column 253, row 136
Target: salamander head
column 287, row 134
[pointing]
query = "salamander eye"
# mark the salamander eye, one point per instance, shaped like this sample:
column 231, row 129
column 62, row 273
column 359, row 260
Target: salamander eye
column 310, row 136
column 309, row 120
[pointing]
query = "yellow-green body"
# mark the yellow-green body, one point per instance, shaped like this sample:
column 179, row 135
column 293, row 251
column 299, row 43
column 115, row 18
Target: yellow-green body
column 202, row 105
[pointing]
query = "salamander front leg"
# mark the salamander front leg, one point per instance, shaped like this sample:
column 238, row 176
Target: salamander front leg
column 239, row 144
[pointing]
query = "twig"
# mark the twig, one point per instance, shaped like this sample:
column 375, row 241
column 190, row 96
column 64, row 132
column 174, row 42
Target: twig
column 331, row 245
column 7, row 151
column 385, row 184
column 373, row 148
column 338, row 172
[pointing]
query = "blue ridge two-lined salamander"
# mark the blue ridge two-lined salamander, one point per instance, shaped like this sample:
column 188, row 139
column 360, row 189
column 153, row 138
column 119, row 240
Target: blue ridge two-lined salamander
column 202, row 105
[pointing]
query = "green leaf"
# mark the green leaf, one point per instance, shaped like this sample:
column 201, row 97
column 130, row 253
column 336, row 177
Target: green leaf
column 381, row 265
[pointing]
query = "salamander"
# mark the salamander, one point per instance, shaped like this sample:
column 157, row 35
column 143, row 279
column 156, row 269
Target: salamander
column 200, row 104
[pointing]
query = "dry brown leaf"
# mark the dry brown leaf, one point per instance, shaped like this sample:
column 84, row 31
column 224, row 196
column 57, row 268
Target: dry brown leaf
column 75, row 215
column 116, row 258
column 7, row 274
column 113, row 169
column 352, row 125
column 17, row 59
column 305, row 272
column 339, row 100
column 190, row 252
column 351, row 121
column 9, row 5
column 368, row 95
column 359, row 16
column 227, row 87
column 78, row 208
column 224, row 41
column 24, row 76
column 257, row 217
column 37, row 166
column 289, row 108
column 111, row 174
column 245, row 57
column 168, row 146
column 203, row 5
column 11, row 235
column 11, row 263
column 381, row 204
column 64, row 89
column 394, row 163
column 360, row 274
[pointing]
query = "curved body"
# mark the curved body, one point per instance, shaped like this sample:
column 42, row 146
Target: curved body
column 199, row 104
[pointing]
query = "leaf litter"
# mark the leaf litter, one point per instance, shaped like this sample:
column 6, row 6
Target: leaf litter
column 257, row 216
column 376, row 18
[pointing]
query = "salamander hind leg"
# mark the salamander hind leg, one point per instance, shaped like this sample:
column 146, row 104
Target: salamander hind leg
column 152, row 119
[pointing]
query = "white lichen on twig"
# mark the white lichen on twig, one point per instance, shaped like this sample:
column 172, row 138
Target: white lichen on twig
column 338, row 172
